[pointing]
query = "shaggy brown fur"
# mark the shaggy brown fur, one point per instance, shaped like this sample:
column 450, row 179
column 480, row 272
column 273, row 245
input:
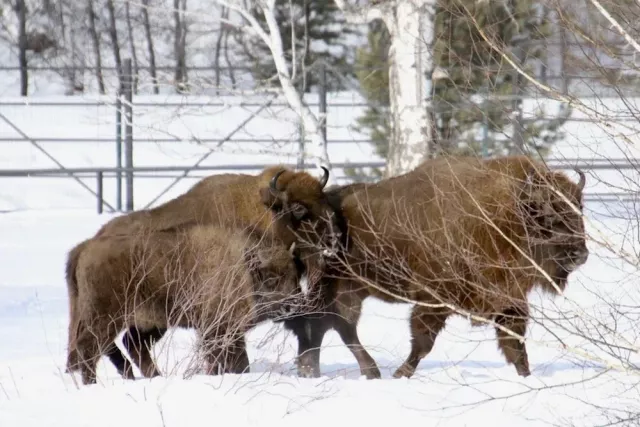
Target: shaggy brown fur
column 236, row 201
column 221, row 282
column 309, row 328
column 456, row 233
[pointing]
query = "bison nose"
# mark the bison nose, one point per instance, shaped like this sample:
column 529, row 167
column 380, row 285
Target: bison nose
column 580, row 256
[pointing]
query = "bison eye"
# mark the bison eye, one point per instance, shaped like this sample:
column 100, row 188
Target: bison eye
column 299, row 211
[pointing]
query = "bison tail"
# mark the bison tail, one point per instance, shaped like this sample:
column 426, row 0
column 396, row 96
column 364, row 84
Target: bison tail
column 72, row 290
column 70, row 270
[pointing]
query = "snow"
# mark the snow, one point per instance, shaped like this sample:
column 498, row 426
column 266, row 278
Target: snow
column 462, row 381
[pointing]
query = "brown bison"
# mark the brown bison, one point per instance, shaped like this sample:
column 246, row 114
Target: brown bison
column 460, row 235
column 308, row 327
column 229, row 200
column 221, row 282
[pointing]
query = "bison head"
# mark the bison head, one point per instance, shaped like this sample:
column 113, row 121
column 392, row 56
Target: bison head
column 275, row 274
column 303, row 215
column 555, row 206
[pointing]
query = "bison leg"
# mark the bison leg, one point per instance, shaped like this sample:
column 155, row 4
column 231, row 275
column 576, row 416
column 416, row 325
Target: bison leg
column 426, row 324
column 310, row 332
column 124, row 367
column 235, row 359
column 138, row 344
column 349, row 334
column 348, row 308
column 91, row 342
column 514, row 319
column 72, row 352
column 231, row 359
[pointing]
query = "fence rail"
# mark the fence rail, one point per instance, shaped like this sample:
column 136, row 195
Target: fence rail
column 100, row 173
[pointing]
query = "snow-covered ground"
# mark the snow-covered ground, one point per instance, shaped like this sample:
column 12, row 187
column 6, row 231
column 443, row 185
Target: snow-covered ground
column 464, row 381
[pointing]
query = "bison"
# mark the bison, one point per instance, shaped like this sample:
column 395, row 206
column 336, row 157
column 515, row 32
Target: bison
column 220, row 281
column 228, row 200
column 458, row 235
column 309, row 328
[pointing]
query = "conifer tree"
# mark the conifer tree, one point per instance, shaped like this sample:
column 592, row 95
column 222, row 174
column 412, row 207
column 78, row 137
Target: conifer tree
column 473, row 70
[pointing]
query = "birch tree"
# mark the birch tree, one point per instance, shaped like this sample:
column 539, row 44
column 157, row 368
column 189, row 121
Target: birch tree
column 411, row 29
column 272, row 39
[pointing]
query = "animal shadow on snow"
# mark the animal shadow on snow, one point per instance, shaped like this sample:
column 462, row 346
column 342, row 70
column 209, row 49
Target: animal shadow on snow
column 476, row 369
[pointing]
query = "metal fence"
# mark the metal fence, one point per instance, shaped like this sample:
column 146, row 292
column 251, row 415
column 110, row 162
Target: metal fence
column 99, row 174
column 125, row 138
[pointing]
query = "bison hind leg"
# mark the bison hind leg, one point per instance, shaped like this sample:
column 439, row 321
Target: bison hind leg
column 92, row 341
column 426, row 324
column 227, row 358
column 515, row 352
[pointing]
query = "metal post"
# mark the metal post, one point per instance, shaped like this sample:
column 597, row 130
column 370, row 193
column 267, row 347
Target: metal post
column 128, row 132
column 119, row 151
column 99, row 191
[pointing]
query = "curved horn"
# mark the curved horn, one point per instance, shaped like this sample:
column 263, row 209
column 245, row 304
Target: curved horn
column 583, row 179
column 274, row 180
column 325, row 177
column 292, row 248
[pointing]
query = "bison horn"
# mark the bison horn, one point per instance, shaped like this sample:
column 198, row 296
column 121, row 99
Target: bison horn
column 583, row 179
column 325, row 177
column 292, row 248
column 274, row 180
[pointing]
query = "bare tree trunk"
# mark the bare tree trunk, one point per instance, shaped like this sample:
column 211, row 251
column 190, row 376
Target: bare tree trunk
column 411, row 28
column 95, row 39
column 78, row 62
column 180, row 36
column 67, row 35
column 563, row 58
column 544, row 57
column 518, row 93
column 409, row 59
column 152, row 54
column 224, row 14
column 132, row 47
column 113, row 34
column 21, row 11
column 273, row 41
column 232, row 74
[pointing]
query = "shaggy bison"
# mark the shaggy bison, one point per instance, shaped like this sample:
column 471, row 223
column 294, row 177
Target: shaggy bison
column 459, row 235
column 309, row 328
column 221, row 282
column 232, row 201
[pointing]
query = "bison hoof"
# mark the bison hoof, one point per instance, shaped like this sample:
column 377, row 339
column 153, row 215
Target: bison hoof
column 404, row 371
column 523, row 372
column 372, row 373
column 306, row 371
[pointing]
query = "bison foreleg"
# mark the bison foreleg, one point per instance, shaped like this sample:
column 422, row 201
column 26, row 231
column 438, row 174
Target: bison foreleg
column 514, row 319
column 348, row 332
column 426, row 324
column 310, row 333
column 124, row 367
column 91, row 342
